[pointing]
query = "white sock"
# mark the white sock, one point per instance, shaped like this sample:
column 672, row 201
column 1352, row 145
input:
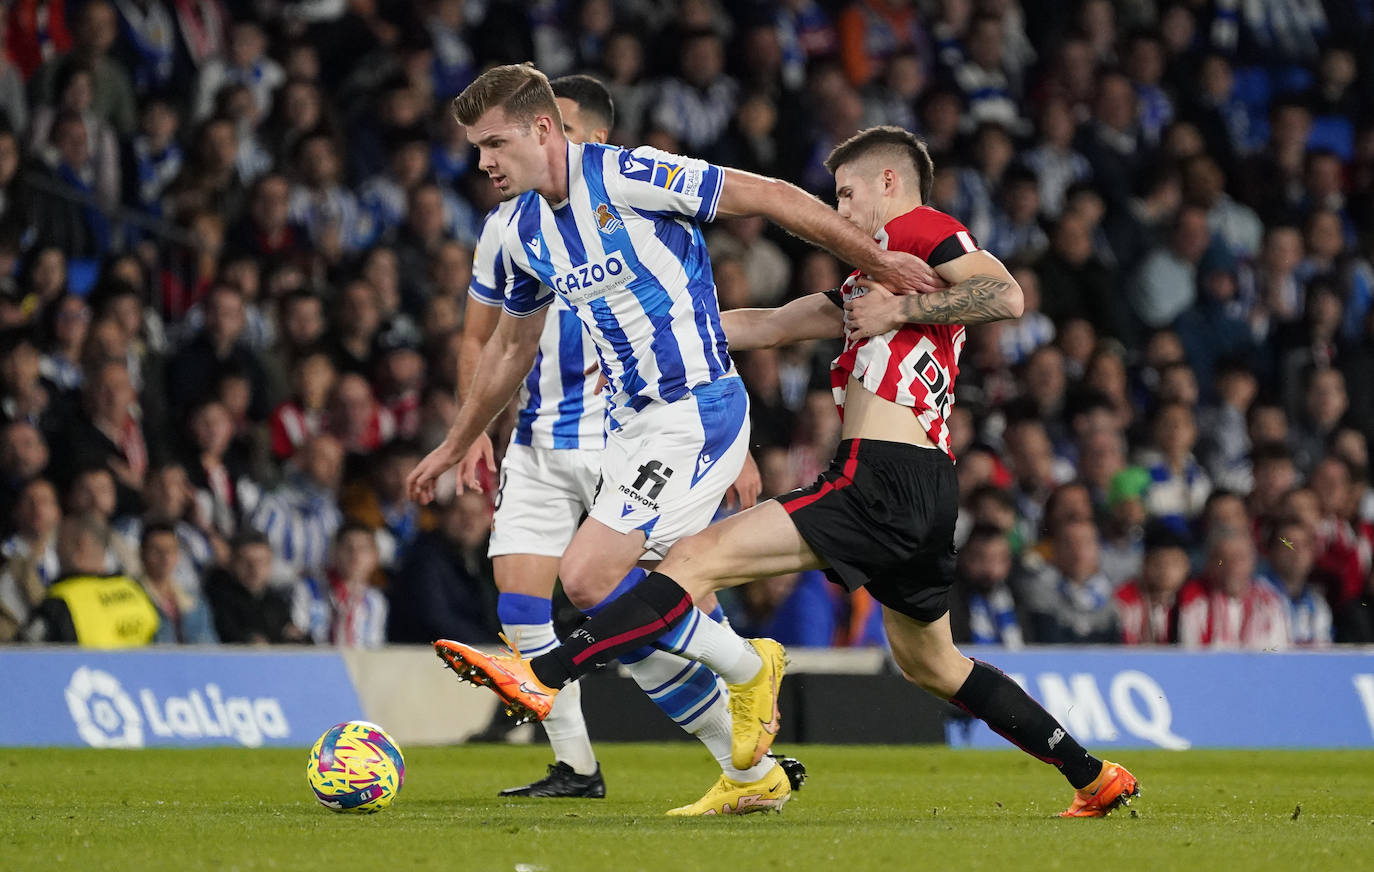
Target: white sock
column 705, row 641
column 696, row 700
column 565, row 727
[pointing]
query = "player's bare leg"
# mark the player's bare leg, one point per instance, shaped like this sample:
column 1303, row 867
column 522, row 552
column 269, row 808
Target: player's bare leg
column 927, row 656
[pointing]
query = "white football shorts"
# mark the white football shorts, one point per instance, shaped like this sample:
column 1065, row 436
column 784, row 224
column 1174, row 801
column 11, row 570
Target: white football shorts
column 666, row 471
column 543, row 497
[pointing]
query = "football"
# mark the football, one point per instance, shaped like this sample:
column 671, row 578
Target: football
column 355, row 767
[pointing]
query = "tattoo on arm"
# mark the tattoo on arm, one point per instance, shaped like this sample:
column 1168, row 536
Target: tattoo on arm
column 975, row 300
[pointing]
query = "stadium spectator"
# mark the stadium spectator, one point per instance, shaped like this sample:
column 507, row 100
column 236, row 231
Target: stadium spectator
column 356, row 419
column 1070, row 600
column 93, row 35
column 245, row 63
column 23, row 457
column 1148, row 607
column 1292, row 560
column 267, row 230
column 342, row 607
column 301, row 516
column 218, row 470
column 1224, row 446
column 30, row 561
column 1076, row 282
column 872, row 31
column 99, row 171
column 183, row 616
column 246, row 607
column 1179, row 486
column 109, row 434
column 379, row 503
column 25, row 396
column 303, row 415
column 696, row 106
column 445, row 588
column 1165, row 285
column 210, row 181
column 1345, row 542
column 87, row 606
column 336, row 224
column 1229, row 606
column 91, row 494
column 1123, row 529
column 218, row 348
column 1322, row 414
column 169, row 499
column 984, row 610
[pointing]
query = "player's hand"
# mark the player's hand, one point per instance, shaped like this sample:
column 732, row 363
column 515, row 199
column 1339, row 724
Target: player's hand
column 421, row 482
column 745, row 491
column 904, row 273
column 480, row 452
column 873, row 314
column 601, row 380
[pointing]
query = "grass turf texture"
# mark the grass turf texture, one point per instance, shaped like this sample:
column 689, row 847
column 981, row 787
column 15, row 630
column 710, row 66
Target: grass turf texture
column 864, row 808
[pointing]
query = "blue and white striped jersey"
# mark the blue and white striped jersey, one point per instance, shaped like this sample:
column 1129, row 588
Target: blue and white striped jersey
column 626, row 254
column 559, row 404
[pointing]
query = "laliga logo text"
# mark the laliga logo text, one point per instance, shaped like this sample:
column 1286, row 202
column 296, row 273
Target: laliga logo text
column 107, row 717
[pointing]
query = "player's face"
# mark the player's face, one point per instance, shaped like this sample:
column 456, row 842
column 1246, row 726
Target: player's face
column 510, row 152
column 858, row 196
column 578, row 126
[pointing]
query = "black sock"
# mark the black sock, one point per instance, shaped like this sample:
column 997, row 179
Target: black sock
column 988, row 694
column 632, row 620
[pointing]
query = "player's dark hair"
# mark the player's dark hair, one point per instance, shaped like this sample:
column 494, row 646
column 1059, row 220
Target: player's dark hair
column 887, row 138
column 589, row 94
column 520, row 89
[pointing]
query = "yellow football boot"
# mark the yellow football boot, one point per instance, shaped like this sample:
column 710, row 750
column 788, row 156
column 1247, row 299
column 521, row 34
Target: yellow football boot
column 769, row 793
column 754, row 707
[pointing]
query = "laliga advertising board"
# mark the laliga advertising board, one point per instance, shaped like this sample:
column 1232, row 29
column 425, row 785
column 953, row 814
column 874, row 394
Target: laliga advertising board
column 1174, row 699
column 150, row 698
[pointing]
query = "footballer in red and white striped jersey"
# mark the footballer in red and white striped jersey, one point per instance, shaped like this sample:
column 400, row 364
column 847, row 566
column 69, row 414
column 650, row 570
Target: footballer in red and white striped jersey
column 914, row 365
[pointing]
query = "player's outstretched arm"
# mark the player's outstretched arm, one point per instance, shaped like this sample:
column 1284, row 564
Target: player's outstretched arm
column 504, row 362
column 479, row 323
column 811, row 317
column 803, row 215
column 981, row 290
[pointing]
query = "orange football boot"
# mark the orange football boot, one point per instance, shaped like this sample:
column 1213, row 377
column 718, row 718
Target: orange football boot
column 526, row 697
column 1112, row 788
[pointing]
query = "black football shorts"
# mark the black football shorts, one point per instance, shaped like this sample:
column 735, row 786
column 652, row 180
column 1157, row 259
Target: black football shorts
column 883, row 517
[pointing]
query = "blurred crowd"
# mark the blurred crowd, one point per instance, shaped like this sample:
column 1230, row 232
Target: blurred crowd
column 235, row 246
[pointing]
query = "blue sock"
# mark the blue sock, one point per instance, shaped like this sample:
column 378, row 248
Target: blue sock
column 635, row 577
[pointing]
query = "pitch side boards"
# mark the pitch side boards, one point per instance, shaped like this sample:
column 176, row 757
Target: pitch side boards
column 55, row 696
column 1114, row 697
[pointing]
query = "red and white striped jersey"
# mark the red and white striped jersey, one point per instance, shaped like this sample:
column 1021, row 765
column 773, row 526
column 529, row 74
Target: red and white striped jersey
column 916, row 364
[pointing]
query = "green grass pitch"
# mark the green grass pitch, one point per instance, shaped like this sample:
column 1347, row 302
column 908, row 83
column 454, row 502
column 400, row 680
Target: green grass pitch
column 864, row 808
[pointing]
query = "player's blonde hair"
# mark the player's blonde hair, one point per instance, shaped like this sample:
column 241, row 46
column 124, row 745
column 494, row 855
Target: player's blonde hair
column 520, row 89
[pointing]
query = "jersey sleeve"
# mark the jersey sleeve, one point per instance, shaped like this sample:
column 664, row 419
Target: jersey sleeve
column 524, row 294
column 939, row 238
column 658, row 181
column 488, row 266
